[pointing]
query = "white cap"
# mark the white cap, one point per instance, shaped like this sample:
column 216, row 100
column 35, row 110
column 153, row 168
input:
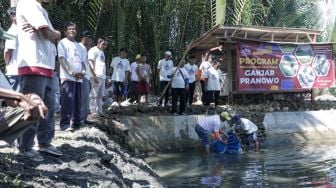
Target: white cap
column 168, row 53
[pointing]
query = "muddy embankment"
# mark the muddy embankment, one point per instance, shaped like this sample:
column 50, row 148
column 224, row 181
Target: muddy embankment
column 91, row 159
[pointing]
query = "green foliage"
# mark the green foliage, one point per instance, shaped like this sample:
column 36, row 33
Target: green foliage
column 5, row 24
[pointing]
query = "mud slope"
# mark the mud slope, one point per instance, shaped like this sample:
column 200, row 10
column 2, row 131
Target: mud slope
column 91, row 159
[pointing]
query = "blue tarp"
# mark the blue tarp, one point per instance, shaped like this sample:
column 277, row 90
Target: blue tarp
column 233, row 145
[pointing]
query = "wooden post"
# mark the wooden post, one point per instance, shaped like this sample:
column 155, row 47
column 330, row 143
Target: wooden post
column 229, row 70
column 312, row 95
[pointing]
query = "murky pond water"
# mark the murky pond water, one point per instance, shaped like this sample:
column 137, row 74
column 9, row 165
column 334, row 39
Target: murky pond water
column 304, row 165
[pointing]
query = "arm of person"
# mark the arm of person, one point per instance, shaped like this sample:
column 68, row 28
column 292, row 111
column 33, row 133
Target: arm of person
column 8, row 55
column 66, row 66
column 138, row 73
column 10, row 46
column 83, row 71
column 31, row 103
column 50, row 34
column 91, row 66
column 127, row 73
column 216, row 48
column 218, row 137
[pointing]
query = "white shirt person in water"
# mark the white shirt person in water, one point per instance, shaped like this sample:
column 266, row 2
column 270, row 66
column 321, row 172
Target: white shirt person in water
column 246, row 130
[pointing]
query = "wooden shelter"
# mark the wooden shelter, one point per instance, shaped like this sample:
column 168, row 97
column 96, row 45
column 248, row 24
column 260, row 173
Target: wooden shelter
column 228, row 36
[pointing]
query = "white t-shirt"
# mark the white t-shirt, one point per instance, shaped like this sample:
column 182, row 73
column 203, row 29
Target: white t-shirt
column 213, row 77
column 98, row 57
column 120, row 66
column 12, row 66
column 165, row 67
column 72, row 52
column 205, row 65
column 178, row 79
column 134, row 75
column 248, row 126
column 210, row 123
column 36, row 55
column 84, row 55
column 144, row 71
column 192, row 70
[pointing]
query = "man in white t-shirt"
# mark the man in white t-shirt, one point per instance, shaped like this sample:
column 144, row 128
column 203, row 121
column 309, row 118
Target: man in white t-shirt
column 212, row 78
column 10, row 52
column 134, row 80
column 72, row 70
column 180, row 85
column 96, row 58
column 192, row 69
column 210, row 124
column 165, row 67
column 120, row 68
column 205, row 65
column 85, row 44
column 36, row 62
column 246, row 130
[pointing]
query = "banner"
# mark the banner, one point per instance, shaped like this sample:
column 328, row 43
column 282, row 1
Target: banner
column 284, row 67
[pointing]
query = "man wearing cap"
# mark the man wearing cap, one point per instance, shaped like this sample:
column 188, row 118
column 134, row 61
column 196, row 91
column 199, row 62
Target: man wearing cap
column 134, row 80
column 165, row 67
column 210, row 124
column 120, row 68
column 10, row 52
column 246, row 130
column 85, row 45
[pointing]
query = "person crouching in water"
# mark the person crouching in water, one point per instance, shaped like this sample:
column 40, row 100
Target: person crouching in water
column 246, row 130
column 210, row 124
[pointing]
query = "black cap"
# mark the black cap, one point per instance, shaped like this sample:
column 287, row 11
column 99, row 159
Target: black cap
column 86, row 34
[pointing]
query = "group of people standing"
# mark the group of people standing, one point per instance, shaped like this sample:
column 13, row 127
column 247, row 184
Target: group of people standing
column 183, row 80
column 45, row 73
column 40, row 65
